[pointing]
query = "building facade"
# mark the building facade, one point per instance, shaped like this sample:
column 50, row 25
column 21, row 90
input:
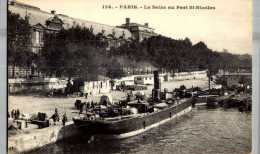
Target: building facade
column 100, row 86
column 139, row 31
column 238, row 79
column 42, row 22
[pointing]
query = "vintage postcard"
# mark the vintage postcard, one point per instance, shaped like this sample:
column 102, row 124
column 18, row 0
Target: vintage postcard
column 129, row 76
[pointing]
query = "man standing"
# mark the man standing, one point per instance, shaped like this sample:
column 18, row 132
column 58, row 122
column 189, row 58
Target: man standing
column 18, row 113
column 15, row 115
column 12, row 114
column 88, row 105
column 64, row 119
column 55, row 116
column 92, row 104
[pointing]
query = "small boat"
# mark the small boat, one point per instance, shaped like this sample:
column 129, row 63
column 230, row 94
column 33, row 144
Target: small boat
column 234, row 100
column 212, row 101
column 204, row 99
column 132, row 118
column 246, row 106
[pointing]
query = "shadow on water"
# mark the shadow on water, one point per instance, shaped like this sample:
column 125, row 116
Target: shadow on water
column 92, row 144
column 203, row 130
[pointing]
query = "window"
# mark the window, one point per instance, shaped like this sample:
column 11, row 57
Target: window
column 139, row 78
column 37, row 37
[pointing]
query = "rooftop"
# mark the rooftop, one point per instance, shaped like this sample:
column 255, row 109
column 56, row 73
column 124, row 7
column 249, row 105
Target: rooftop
column 37, row 16
column 136, row 24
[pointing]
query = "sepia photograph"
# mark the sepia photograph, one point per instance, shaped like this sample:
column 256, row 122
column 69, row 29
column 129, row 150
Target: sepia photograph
column 129, row 76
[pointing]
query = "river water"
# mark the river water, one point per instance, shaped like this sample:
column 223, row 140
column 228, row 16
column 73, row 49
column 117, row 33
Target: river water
column 202, row 130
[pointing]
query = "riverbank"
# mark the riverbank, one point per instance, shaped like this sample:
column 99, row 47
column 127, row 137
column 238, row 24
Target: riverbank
column 34, row 104
column 203, row 130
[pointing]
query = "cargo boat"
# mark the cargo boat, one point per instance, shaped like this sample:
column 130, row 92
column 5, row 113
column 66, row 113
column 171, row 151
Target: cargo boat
column 212, row 101
column 150, row 115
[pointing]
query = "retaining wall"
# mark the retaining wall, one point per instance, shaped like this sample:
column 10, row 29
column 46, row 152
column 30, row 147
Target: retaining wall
column 46, row 84
column 41, row 137
column 190, row 75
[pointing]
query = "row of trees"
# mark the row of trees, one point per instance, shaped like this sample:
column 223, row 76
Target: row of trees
column 19, row 41
column 78, row 53
column 232, row 61
column 170, row 54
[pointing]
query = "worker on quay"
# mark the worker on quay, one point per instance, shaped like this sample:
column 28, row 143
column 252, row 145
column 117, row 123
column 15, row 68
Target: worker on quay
column 15, row 115
column 92, row 104
column 86, row 95
column 55, row 116
column 12, row 114
column 82, row 107
column 56, row 110
column 105, row 102
column 128, row 98
column 64, row 119
column 18, row 113
column 88, row 105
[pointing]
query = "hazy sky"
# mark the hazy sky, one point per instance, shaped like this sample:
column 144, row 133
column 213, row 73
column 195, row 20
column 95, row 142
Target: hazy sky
column 229, row 26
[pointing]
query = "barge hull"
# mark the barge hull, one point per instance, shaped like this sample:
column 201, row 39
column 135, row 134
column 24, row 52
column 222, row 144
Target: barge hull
column 133, row 126
column 133, row 133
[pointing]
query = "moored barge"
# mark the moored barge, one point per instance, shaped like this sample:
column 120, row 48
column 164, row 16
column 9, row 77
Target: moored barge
column 144, row 115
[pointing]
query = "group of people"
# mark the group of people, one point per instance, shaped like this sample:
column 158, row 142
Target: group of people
column 15, row 114
column 88, row 106
column 56, row 117
column 91, row 105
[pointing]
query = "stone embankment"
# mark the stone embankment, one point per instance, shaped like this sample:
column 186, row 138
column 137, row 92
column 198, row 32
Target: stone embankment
column 41, row 137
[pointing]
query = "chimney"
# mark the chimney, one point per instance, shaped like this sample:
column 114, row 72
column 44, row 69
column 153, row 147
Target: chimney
column 156, row 80
column 127, row 23
column 157, row 87
column 146, row 24
column 53, row 11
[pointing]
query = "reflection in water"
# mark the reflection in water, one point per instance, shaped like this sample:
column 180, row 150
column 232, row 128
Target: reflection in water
column 201, row 131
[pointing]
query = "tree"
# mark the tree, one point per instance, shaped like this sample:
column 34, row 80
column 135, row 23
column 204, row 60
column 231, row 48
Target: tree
column 71, row 53
column 169, row 54
column 114, row 69
column 76, row 53
column 19, row 41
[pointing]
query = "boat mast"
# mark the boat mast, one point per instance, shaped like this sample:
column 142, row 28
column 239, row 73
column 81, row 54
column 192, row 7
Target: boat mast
column 209, row 82
column 208, row 74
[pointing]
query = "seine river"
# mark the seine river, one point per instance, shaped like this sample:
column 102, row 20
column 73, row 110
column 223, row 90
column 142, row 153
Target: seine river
column 203, row 130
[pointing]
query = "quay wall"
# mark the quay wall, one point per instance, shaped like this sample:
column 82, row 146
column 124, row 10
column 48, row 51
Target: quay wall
column 34, row 84
column 93, row 87
column 41, row 137
column 190, row 75
column 171, row 76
